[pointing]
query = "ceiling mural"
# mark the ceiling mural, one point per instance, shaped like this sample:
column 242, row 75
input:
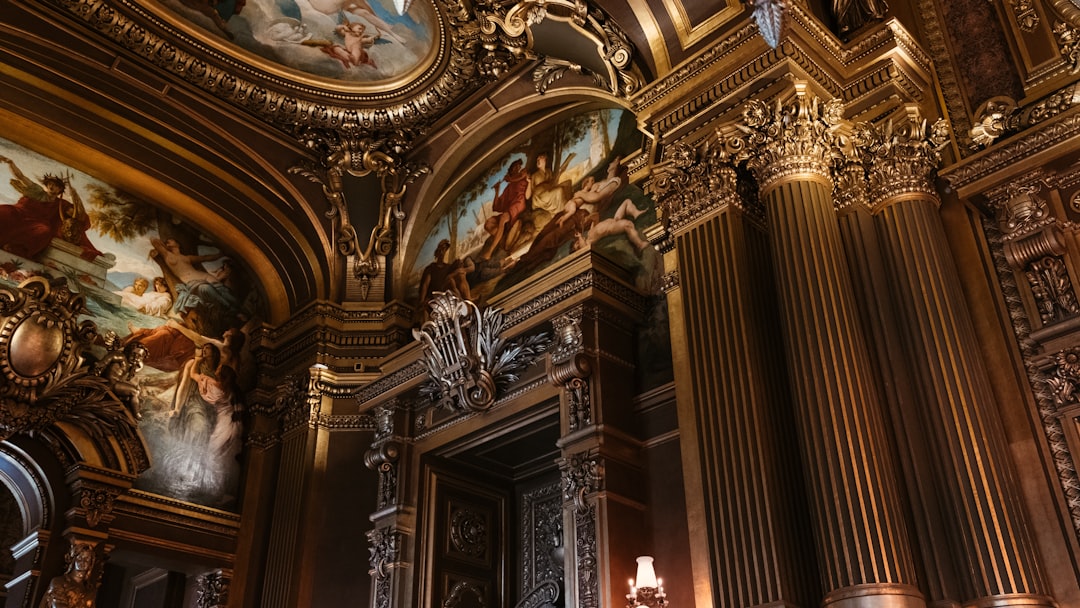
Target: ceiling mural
column 147, row 277
column 364, row 41
column 558, row 192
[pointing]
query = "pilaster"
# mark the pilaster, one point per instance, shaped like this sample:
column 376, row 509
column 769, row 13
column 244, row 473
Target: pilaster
column 603, row 508
column 395, row 528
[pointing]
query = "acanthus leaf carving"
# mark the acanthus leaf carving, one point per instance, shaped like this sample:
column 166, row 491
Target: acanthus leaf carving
column 1064, row 381
column 900, row 157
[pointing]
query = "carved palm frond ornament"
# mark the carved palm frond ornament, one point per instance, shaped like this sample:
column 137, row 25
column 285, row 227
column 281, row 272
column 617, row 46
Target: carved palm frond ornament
column 468, row 360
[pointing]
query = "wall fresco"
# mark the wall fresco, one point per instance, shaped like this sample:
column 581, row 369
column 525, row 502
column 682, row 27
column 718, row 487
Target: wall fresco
column 363, row 41
column 557, row 192
column 560, row 191
column 147, row 277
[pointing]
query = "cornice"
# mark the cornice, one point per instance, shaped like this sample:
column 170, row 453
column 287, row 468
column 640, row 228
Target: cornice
column 1005, row 160
column 888, row 55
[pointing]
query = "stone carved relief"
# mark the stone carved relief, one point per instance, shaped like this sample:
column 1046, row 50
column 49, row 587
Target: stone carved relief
column 385, row 546
column 1068, row 39
column 349, row 150
column 900, row 156
column 1043, row 389
column 464, row 593
column 570, row 368
column 1052, row 289
column 1022, row 209
column 801, row 136
column 97, row 502
column 467, row 358
column 1065, row 378
column 212, row 590
column 690, row 182
column 78, row 585
column 1026, row 16
column 582, row 475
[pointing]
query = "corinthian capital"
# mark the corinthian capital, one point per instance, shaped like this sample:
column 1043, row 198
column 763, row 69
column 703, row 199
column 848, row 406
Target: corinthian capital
column 692, row 181
column 900, row 156
column 798, row 139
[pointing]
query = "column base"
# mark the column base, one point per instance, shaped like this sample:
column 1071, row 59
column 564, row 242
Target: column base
column 875, row 595
column 1013, row 600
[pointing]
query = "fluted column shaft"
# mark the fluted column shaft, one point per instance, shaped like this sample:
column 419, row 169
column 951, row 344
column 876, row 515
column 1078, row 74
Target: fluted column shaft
column 1002, row 565
column 740, row 449
column 863, row 548
column 860, row 534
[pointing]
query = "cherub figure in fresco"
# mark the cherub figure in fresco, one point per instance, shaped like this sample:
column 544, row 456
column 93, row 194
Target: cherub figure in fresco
column 596, row 229
column 353, row 53
column 361, row 9
column 42, row 213
column 594, row 195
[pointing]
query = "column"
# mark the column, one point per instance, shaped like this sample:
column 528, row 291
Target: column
column 393, row 537
column 863, row 549
column 981, row 486
column 745, row 493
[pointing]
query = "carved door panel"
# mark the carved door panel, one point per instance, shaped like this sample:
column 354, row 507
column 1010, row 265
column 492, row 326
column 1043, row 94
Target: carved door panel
column 468, row 541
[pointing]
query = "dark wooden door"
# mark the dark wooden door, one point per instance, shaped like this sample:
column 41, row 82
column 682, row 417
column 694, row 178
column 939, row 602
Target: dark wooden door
column 467, row 545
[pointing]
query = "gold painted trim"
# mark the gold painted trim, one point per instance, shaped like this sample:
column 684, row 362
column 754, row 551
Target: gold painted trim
column 690, row 34
column 651, row 29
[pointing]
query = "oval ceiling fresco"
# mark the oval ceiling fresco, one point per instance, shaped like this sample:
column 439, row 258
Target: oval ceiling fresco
column 357, row 41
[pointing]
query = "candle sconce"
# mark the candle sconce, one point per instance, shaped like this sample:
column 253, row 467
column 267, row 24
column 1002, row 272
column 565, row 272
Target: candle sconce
column 646, row 589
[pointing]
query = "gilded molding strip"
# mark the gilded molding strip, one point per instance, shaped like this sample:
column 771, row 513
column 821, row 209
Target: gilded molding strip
column 651, row 29
column 690, row 34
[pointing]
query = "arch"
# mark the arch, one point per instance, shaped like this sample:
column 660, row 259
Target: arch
column 454, row 167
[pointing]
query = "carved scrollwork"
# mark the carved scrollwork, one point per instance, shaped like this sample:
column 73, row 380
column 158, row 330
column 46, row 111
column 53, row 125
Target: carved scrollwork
column 460, row 591
column 385, row 550
column 97, row 503
column 511, row 29
column 1068, row 39
column 348, row 150
column 466, row 356
column 690, row 182
column 570, row 368
column 384, row 454
column 544, row 594
column 582, row 475
column 996, row 117
column 1021, row 210
column 44, row 377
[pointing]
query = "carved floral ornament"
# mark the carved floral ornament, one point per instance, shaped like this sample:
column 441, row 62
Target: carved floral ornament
column 866, row 163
